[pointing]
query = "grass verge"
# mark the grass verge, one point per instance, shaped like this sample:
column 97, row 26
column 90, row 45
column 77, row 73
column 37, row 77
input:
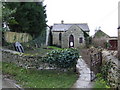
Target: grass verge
column 32, row 78
column 100, row 83
column 54, row 47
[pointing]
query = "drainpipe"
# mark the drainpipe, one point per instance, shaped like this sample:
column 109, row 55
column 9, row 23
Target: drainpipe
column 47, row 35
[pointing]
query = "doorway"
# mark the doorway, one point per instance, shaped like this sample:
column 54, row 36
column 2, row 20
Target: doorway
column 71, row 41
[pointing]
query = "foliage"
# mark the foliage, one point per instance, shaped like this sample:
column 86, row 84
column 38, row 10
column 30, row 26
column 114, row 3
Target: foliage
column 100, row 83
column 87, row 40
column 32, row 78
column 110, row 73
column 106, row 68
column 7, row 14
column 65, row 58
column 40, row 40
column 28, row 17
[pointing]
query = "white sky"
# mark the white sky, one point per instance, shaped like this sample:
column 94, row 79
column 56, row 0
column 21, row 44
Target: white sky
column 103, row 13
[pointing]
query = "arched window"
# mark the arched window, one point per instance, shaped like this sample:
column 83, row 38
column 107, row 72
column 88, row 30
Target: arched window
column 80, row 40
column 71, row 41
column 60, row 36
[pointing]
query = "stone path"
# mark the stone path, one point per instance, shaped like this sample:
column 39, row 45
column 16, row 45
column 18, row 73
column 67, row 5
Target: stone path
column 7, row 83
column 84, row 77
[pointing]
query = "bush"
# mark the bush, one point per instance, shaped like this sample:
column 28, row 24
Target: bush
column 100, row 83
column 66, row 58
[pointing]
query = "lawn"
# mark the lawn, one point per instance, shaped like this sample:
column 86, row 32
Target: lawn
column 42, row 51
column 39, row 78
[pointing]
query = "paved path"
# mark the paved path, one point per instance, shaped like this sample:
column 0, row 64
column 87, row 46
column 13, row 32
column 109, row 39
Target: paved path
column 84, row 77
column 8, row 83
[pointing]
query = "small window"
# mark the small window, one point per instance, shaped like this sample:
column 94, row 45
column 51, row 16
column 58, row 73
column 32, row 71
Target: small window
column 60, row 36
column 80, row 40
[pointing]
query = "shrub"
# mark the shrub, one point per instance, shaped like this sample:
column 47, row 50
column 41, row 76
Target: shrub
column 106, row 68
column 100, row 83
column 65, row 58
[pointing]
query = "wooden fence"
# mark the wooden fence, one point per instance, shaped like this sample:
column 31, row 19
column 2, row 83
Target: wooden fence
column 12, row 37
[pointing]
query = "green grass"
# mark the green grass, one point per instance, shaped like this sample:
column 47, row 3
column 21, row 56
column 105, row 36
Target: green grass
column 100, row 83
column 39, row 51
column 39, row 78
column 42, row 51
column 53, row 47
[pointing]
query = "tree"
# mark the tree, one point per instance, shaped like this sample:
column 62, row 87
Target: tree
column 29, row 17
column 7, row 15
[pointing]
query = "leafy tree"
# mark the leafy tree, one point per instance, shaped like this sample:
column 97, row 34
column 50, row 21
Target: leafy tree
column 7, row 15
column 29, row 17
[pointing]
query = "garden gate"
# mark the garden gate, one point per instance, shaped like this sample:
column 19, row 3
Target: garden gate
column 95, row 64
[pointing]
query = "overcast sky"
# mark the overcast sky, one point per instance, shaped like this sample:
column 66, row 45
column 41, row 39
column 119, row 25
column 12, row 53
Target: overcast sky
column 103, row 13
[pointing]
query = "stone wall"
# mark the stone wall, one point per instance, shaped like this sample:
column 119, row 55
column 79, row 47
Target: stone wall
column 56, row 40
column 113, row 72
column 77, row 33
column 119, row 44
column 24, row 60
column 100, row 42
column 119, row 30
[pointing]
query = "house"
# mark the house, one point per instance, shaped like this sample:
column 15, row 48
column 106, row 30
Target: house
column 100, row 39
column 70, row 35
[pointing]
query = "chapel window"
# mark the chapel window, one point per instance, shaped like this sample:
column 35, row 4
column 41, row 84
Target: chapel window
column 60, row 36
column 80, row 40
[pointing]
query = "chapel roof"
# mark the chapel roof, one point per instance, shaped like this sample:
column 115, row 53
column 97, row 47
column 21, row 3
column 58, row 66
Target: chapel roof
column 65, row 27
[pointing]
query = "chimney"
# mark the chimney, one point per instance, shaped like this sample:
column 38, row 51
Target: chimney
column 62, row 22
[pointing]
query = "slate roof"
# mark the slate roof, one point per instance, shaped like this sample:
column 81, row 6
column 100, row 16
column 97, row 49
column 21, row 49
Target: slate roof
column 65, row 27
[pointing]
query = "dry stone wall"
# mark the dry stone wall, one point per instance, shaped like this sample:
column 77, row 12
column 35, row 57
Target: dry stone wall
column 23, row 60
column 113, row 72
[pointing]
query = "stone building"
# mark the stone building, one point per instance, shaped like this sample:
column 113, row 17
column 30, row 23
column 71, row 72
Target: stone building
column 119, row 43
column 70, row 35
column 100, row 38
column 119, row 30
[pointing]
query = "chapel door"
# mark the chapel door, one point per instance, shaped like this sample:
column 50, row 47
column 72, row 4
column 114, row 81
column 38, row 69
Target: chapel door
column 71, row 41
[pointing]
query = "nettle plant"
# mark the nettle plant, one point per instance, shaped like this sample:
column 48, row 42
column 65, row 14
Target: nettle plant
column 65, row 59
